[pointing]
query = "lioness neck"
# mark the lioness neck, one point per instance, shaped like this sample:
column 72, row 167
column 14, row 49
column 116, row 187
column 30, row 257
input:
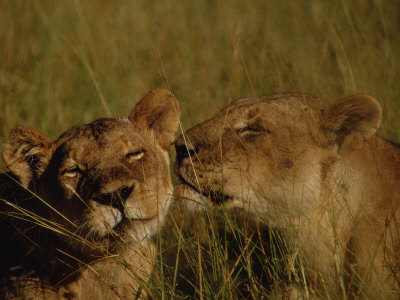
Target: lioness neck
column 359, row 202
column 373, row 174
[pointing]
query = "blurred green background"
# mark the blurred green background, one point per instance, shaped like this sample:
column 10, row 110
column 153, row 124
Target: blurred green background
column 64, row 63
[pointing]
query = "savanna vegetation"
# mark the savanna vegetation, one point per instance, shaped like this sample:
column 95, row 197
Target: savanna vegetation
column 64, row 63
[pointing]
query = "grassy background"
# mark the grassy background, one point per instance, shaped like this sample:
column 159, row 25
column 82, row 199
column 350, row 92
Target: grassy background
column 68, row 62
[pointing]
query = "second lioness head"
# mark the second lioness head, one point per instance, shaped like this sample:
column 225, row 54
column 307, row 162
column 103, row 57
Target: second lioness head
column 270, row 155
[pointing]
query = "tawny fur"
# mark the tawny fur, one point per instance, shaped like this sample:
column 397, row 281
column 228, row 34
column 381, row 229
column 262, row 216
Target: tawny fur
column 79, row 213
column 299, row 164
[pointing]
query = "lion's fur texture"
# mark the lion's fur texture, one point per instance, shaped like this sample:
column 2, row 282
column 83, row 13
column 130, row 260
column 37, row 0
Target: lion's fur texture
column 318, row 170
column 78, row 214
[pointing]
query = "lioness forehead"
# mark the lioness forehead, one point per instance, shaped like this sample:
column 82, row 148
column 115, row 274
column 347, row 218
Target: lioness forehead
column 97, row 130
column 287, row 99
column 275, row 108
column 101, row 135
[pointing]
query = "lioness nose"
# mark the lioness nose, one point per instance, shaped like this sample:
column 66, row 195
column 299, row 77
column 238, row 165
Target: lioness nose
column 124, row 192
column 117, row 198
column 183, row 151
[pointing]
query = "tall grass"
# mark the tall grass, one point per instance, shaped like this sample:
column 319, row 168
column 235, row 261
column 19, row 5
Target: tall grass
column 68, row 62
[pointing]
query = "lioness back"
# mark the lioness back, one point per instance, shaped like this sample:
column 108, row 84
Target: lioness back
column 78, row 213
column 317, row 172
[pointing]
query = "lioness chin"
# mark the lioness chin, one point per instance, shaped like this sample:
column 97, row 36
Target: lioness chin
column 304, row 166
column 78, row 213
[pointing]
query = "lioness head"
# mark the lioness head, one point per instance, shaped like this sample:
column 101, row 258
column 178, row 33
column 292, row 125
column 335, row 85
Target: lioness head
column 269, row 155
column 107, row 181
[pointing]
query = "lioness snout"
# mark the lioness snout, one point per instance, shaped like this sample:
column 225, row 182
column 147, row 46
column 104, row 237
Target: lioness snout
column 125, row 191
column 117, row 198
column 183, row 151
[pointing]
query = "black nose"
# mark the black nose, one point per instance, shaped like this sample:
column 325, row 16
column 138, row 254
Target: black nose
column 117, row 198
column 182, row 151
column 124, row 192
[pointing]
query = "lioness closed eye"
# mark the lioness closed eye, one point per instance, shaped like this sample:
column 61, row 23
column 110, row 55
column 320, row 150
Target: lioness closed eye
column 94, row 197
column 299, row 164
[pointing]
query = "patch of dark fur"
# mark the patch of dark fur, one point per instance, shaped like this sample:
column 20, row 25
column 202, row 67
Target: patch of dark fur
column 218, row 198
column 28, row 250
column 115, row 199
column 393, row 143
column 94, row 129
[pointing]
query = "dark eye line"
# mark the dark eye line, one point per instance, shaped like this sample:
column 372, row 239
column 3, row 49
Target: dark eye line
column 74, row 169
column 253, row 128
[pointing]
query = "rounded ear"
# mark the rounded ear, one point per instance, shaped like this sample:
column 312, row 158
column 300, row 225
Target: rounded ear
column 158, row 111
column 352, row 121
column 27, row 154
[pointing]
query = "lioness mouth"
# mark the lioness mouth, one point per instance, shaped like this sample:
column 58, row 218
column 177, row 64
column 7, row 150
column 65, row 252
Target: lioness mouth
column 217, row 197
column 125, row 221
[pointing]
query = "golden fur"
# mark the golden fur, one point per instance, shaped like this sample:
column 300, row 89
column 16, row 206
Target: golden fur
column 96, row 197
column 306, row 167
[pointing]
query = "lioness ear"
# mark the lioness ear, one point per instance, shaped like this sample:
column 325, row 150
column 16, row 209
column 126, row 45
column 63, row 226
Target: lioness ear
column 352, row 120
column 158, row 111
column 27, row 154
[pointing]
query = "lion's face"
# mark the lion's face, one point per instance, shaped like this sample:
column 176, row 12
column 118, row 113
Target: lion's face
column 266, row 155
column 112, row 179
column 107, row 181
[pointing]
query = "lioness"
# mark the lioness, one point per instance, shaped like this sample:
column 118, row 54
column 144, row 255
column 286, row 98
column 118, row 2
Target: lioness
column 301, row 165
column 90, row 202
